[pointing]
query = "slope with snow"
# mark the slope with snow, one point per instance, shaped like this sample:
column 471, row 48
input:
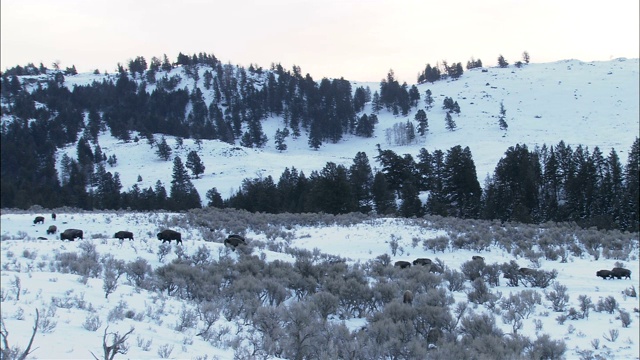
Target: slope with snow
column 590, row 104
column 69, row 300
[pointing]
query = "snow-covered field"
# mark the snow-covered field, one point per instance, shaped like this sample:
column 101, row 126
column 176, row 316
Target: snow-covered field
column 71, row 300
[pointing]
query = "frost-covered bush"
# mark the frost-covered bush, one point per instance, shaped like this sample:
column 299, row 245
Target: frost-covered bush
column 92, row 322
column 608, row 304
column 138, row 273
column 558, row 297
column 455, row 279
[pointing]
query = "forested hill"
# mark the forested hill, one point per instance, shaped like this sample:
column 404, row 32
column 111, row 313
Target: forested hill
column 554, row 141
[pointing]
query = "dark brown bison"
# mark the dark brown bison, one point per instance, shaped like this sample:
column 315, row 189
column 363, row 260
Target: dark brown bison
column 38, row 220
column 407, row 298
column 42, row 238
column 402, row 264
column 620, row 273
column 527, row 271
column 123, row 235
column 478, row 258
column 233, row 241
column 52, row 229
column 71, row 234
column 605, row 274
column 168, row 235
column 53, row 216
column 422, row 261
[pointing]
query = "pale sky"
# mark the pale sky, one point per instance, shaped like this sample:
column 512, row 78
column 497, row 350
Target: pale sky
column 359, row 40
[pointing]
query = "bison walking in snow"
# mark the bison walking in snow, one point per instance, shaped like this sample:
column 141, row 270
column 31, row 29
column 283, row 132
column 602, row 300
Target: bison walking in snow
column 605, row 274
column 620, row 273
column 38, row 220
column 402, row 264
column 123, row 235
column 168, row 235
column 422, row 261
column 71, row 234
column 233, row 241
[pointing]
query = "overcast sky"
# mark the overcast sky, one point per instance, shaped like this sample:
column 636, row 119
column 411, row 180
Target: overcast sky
column 355, row 39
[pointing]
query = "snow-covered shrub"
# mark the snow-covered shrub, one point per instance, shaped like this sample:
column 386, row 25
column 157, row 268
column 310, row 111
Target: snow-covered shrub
column 608, row 304
column 455, row 279
column 480, row 293
column 187, row 319
column 558, row 297
column 624, row 317
column 92, row 322
column 164, row 351
column 473, row 269
column 138, row 273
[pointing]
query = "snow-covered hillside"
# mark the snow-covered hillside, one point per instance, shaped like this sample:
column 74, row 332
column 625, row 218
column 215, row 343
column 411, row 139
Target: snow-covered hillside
column 592, row 104
column 78, row 312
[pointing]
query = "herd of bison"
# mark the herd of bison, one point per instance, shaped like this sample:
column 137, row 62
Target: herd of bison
column 234, row 241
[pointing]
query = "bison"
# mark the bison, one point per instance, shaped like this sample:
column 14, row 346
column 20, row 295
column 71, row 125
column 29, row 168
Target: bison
column 71, row 234
column 168, row 235
column 422, row 261
column 123, row 235
column 407, row 298
column 477, row 257
column 233, row 241
column 619, row 272
column 42, row 238
column 38, row 220
column 605, row 274
column 52, row 229
column 402, row 264
column 53, row 216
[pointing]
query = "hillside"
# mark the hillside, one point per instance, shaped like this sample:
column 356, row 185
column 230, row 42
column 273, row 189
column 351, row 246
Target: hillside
column 276, row 281
column 592, row 104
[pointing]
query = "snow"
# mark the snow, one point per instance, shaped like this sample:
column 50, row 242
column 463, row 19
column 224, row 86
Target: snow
column 28, row 259
column 593, row 104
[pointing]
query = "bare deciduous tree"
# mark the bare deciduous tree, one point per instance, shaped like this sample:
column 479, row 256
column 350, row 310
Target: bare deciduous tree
column 117, row 346
column 8, row 352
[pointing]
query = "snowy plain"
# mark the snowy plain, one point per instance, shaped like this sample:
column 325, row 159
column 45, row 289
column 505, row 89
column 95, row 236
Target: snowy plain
column 592, row 104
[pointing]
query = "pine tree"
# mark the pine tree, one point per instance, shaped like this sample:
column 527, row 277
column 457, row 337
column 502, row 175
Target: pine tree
column 376, row 103
column 183, row 194
column 449, row 123
column 502, row 62
column 502, row 118
column 281, row 136
column 163, row 149
column 383, row 196
column 194, row 163
column 525, row 57
column 215, row 200
column 632, row 189
column 428, row 99
column 423, row 122
column 361, row 180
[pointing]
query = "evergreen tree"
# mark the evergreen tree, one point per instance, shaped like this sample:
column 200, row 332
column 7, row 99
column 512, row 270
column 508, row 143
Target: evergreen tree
column 450, row 124
column 411, row 205
column 525, row 57
column 183, row 194
column 330, row 191
column 194, row 163
column 163, row 149
column 502, row 62
column 361, row 180
column 383, row 196
column 460, row 184
column 281, row 136
column 423, row 122
column 428, row 99
column 376, row 103
column 631, row 221
column 215, row 200
column 502, row 118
